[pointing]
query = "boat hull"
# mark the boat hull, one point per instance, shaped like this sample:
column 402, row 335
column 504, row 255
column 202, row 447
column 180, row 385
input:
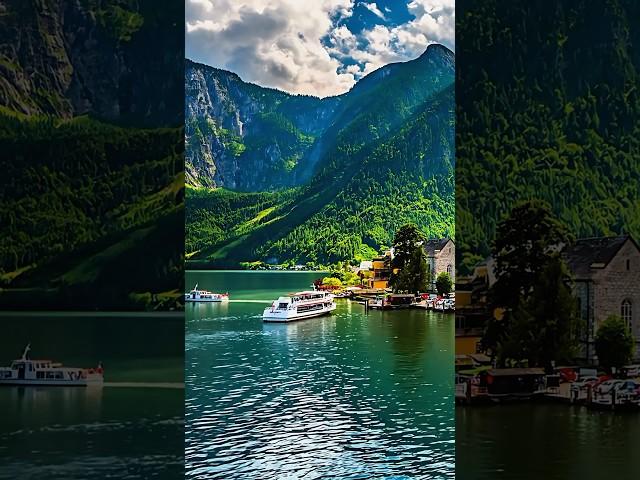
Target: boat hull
column 206, row 300
column 286, row 316
column 50, row 383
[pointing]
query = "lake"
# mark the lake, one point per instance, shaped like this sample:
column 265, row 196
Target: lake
column 552, row 441
column 132, row 427
column 351, row 395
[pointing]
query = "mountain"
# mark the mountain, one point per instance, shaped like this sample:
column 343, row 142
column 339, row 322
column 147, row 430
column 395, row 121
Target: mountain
column 92, row 190
column 107, row 58
column 558, row 121
column 306, row 179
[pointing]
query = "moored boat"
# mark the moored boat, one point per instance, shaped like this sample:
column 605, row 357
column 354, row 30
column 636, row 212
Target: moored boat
column 299, row 305
column 196, row 295
column 26, row 371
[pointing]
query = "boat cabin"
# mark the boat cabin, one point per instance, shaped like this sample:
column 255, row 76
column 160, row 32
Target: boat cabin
column 514, row 381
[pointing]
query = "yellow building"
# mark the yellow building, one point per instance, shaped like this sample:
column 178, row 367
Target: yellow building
column 468, row 344
column 376, row 273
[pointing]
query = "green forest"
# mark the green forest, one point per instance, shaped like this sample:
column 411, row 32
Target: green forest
column 557, row 121
column 84, row 205
column 92, row 142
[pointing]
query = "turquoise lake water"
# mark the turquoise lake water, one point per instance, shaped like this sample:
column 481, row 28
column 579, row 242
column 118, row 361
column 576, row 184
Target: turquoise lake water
column 532, row 441
column 351, row 395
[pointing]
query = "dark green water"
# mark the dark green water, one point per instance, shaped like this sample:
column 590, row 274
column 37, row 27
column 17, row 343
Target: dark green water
column 346, row 396
column 132, row 427
column 545, row 441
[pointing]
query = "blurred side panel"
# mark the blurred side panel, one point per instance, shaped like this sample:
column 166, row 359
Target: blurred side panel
column 547, row 229
column 92, row 239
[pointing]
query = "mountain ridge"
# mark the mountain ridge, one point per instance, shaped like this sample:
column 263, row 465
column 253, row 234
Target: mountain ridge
column 222, row 111
column 396, row 124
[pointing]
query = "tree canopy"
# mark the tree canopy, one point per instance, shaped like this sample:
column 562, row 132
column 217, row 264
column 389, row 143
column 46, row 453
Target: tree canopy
column 410, row 269
column 533, row 286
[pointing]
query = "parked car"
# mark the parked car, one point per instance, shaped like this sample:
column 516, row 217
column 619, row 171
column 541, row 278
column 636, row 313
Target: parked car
column 582, row 384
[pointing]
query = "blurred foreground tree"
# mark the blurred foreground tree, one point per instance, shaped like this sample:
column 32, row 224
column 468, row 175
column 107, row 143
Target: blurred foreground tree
column 532, row 288
column 443, row 283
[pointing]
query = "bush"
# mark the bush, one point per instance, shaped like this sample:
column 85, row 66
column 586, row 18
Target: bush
column 443, row 283
column 614, row 343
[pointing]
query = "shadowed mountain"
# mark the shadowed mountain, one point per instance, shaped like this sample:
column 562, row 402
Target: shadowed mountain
column 91, row 196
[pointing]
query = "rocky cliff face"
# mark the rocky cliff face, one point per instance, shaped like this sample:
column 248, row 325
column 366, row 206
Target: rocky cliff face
column 72, row 57
column 245, row 137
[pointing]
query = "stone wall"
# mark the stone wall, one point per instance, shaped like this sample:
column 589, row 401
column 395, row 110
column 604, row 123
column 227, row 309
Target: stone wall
column 615, row 283
column 445, row 257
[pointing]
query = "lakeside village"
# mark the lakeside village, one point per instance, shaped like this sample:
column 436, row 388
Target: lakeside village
column 387, row 283
column 559, row 321
column 413, row 273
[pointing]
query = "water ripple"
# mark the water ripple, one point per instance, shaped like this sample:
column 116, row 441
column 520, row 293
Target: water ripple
column 349, row 396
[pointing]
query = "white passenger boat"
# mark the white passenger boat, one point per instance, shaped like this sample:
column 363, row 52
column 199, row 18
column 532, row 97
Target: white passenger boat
column 299, row 305
column 196, row 295
column 26, row 371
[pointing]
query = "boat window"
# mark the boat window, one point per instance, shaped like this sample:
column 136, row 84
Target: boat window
column 308, row 308
column 39, row 374
column 59, row 375
column 283, row 305
column 50, row 375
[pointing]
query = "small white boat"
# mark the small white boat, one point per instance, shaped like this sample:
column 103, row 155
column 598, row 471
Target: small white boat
column 299, row 305
column 196, row 295
column 26, row 371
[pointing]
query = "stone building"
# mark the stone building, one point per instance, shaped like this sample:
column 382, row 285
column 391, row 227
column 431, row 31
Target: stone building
column 606, row 272
column 441, row 257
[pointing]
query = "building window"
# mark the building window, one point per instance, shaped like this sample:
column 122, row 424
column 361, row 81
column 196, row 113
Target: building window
column 450, row 270
column 628, row 264
column 626, row 312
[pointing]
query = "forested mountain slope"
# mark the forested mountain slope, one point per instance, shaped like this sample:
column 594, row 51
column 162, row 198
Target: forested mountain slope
column 369, row 160
column 92, row 184
column 549, row 110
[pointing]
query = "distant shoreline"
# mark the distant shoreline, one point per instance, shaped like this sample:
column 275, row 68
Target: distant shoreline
column 253, row 271
column 92, row 313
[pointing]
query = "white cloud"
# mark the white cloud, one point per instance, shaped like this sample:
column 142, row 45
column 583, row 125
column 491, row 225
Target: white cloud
column 276, row 44
column 301, row 47
column 373, row 8
column 434, row 22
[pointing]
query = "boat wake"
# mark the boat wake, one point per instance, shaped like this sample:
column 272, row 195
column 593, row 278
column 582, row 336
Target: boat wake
column 268, row 302
column 144, row 384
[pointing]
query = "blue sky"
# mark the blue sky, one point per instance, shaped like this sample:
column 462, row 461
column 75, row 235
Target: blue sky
column 316, row 47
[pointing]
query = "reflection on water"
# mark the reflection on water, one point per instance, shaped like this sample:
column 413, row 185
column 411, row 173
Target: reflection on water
column 550, row 441
column 346, row 396
column 35, row 404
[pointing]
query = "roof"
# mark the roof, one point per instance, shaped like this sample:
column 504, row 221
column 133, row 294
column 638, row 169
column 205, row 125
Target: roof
column 595, row 252
column 434, row 244
column 512, row 372
column 480, row 358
